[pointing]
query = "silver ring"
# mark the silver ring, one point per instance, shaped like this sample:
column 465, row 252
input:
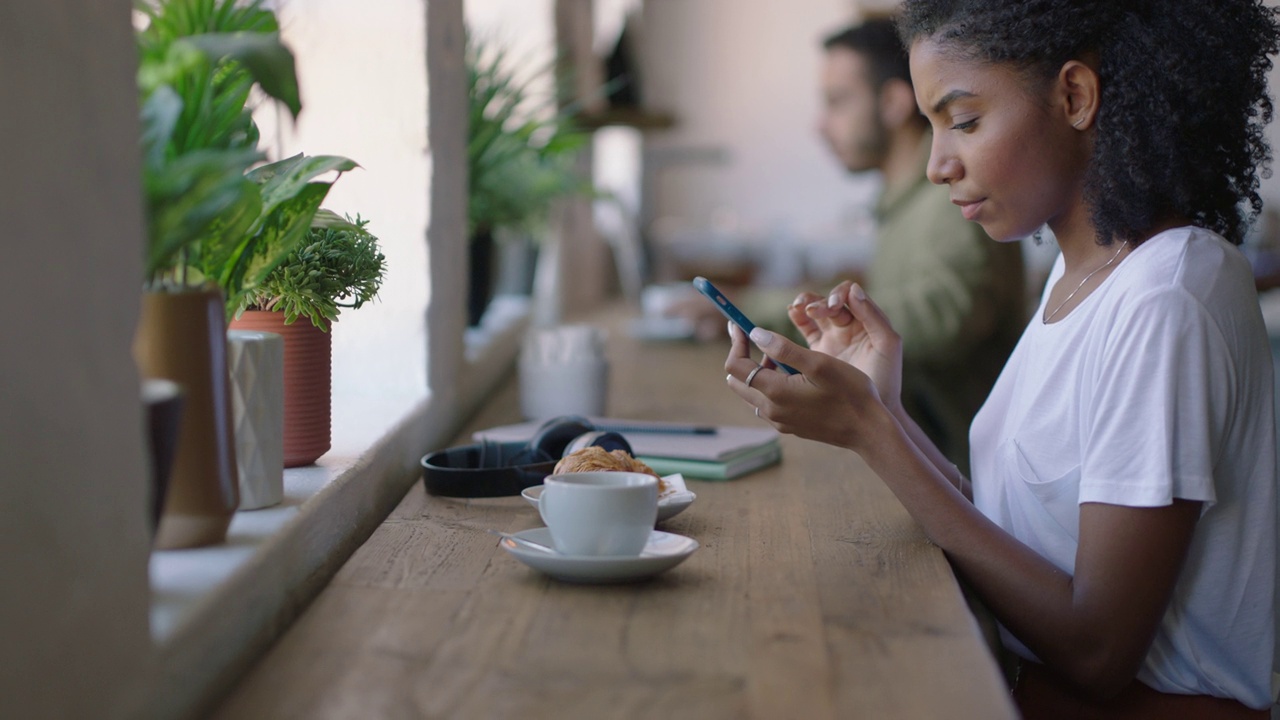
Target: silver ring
column 752, row 375
column 757, row 412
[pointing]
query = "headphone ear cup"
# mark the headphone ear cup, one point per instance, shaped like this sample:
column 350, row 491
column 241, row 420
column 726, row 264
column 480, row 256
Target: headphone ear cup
column 552, row 439
column 609, row 441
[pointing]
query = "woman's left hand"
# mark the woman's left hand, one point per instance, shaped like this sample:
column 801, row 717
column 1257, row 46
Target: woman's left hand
column 829, row 400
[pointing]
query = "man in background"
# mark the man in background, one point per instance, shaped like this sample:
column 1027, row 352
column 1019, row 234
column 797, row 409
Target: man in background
column 955, row 296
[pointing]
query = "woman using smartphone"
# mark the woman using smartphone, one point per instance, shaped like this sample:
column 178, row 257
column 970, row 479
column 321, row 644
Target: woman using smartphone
column 1121, row 519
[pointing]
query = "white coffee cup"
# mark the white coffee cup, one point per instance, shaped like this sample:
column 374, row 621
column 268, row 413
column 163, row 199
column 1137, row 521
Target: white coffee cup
column 570, row 387
column 599, row 513
column 563, row 371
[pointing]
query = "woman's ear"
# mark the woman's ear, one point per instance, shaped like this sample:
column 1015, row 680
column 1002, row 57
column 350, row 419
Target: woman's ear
column 897, row 103
column 1079, row 91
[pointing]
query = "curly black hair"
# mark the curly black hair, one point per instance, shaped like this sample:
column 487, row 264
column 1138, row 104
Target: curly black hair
column 1180, row 127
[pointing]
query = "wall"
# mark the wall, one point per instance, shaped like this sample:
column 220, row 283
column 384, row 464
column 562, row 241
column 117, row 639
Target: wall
column 363, row 80
column 73, row 536
column 741, row 77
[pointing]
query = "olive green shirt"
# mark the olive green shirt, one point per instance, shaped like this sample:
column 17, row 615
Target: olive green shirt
column 955, row 296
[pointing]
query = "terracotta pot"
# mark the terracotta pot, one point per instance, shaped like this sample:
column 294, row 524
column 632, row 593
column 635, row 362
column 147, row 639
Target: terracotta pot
column 182, row 336
column 307, row 386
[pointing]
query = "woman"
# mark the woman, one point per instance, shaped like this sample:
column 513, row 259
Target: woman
column 1121, row 523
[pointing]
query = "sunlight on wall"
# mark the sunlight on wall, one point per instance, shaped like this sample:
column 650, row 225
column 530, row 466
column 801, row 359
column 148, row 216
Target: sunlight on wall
column 362, row 71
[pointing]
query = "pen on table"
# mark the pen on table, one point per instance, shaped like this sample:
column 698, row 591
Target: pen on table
column 665, row 428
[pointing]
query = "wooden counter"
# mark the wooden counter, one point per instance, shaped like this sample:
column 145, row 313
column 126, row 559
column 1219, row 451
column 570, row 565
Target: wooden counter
column 814, row 595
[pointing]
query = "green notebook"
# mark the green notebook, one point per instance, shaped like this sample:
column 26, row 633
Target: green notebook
column 733, row 467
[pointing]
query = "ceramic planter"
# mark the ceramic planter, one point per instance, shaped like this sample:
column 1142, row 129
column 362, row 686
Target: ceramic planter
column 307, row 367
column 256, row 361
column 182, row 337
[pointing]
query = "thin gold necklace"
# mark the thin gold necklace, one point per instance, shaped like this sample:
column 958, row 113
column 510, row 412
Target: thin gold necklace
column 1085, row 280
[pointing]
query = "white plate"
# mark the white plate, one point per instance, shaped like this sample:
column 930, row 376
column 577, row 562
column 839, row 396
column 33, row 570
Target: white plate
column 669, row 505
column 663, row 552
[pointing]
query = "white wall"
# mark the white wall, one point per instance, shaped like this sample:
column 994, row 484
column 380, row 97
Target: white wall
column 363, row 81
column 741, row 76
column 73, row 534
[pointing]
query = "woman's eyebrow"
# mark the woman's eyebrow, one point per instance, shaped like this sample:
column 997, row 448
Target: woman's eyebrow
column 949, row 98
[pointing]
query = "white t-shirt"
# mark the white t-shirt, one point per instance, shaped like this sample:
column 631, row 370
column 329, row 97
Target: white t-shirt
column 1157, row 385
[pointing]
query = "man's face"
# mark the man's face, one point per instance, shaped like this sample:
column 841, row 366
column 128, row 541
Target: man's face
column 850, row 120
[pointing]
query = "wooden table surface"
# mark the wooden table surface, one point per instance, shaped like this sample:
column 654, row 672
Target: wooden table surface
column 814, row 595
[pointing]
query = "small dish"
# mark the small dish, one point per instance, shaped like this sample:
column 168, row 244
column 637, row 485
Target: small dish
column 670, row 504
column 663, row 552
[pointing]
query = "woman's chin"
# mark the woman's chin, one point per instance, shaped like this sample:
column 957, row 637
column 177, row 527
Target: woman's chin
column 1006, row 234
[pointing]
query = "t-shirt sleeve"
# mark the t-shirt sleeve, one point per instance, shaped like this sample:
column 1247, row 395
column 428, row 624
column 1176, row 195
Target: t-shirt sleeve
column 1153, row 423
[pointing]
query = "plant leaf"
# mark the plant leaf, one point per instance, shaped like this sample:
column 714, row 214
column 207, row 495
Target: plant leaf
column 262, row 55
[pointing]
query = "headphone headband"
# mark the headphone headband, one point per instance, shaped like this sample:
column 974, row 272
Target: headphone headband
column 494, row 469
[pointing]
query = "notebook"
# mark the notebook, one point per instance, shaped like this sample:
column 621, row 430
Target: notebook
column 727, row 442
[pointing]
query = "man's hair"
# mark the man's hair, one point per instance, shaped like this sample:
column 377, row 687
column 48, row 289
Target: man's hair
column 878, row 41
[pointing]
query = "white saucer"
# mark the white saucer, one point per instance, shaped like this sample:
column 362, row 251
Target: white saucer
column 668, row 506
column 663, row 552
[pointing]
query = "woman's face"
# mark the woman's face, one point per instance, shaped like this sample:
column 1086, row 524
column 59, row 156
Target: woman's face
column 1012, row 161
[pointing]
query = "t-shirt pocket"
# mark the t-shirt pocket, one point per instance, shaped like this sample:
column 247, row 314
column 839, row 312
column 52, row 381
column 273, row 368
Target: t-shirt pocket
column 1051, row 506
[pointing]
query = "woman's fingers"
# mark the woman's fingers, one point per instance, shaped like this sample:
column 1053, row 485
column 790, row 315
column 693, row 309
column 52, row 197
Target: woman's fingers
column 830, row 310
column 797, row 311
column 870, row 315
column 739, row 363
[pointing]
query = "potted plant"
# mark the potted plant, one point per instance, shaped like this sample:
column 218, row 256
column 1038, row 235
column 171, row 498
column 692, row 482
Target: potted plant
column 198, row 62
column 338, row 265
column 521, row 155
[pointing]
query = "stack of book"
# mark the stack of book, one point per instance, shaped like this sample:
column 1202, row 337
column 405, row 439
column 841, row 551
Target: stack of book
column 713, row 452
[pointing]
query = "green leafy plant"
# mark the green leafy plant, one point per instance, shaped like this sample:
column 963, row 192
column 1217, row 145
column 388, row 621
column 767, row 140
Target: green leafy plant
column 338, row 261
column 198, row 60
column 290, row 196
column 521, row 152
column 212, row 218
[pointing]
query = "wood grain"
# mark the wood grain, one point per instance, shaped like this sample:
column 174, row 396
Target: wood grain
column 814, row 595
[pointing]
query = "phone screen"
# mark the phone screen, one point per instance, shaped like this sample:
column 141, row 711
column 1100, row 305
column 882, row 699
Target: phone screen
column 732, row 312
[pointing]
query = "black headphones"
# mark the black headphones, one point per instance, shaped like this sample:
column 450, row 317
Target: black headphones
column 496, row 469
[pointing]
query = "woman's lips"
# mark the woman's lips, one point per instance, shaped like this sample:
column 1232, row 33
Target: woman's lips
column 969, row 208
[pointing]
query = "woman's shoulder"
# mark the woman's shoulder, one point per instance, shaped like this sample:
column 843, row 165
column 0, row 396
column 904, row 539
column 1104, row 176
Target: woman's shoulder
column 1189, row 260
column 1186, row 275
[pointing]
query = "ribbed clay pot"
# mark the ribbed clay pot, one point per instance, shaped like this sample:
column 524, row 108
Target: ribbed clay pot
column 182, row 336
column 307, row 385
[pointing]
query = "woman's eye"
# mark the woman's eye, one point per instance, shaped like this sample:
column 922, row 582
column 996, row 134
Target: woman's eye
column 966, row 125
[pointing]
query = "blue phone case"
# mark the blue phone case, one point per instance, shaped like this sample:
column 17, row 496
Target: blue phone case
column 732, row 312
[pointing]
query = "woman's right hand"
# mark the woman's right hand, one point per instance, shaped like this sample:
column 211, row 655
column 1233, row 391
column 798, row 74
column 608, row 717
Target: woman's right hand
column 848, row 326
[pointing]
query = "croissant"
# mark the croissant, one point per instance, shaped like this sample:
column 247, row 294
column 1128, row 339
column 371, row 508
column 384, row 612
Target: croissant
column 597, row 458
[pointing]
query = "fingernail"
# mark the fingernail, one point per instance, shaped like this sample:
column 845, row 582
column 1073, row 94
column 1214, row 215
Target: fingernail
column 858, row 292
column 798, row 301
column 814, row 306
column 730, row 326
column 761, row 337
column 834, row 301
column 727, row 378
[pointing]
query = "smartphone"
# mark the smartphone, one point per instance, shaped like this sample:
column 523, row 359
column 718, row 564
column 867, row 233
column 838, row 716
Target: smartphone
column 732, row 312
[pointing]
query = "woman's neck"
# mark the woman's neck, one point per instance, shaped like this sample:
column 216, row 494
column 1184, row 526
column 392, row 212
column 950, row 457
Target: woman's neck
column 1078, row 240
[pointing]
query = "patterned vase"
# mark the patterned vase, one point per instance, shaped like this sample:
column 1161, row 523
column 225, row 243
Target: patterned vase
column 256, row 361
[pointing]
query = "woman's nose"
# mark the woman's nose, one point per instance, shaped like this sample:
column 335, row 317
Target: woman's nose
column 944, row 167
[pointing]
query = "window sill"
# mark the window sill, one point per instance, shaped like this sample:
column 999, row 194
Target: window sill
column 215, row 610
